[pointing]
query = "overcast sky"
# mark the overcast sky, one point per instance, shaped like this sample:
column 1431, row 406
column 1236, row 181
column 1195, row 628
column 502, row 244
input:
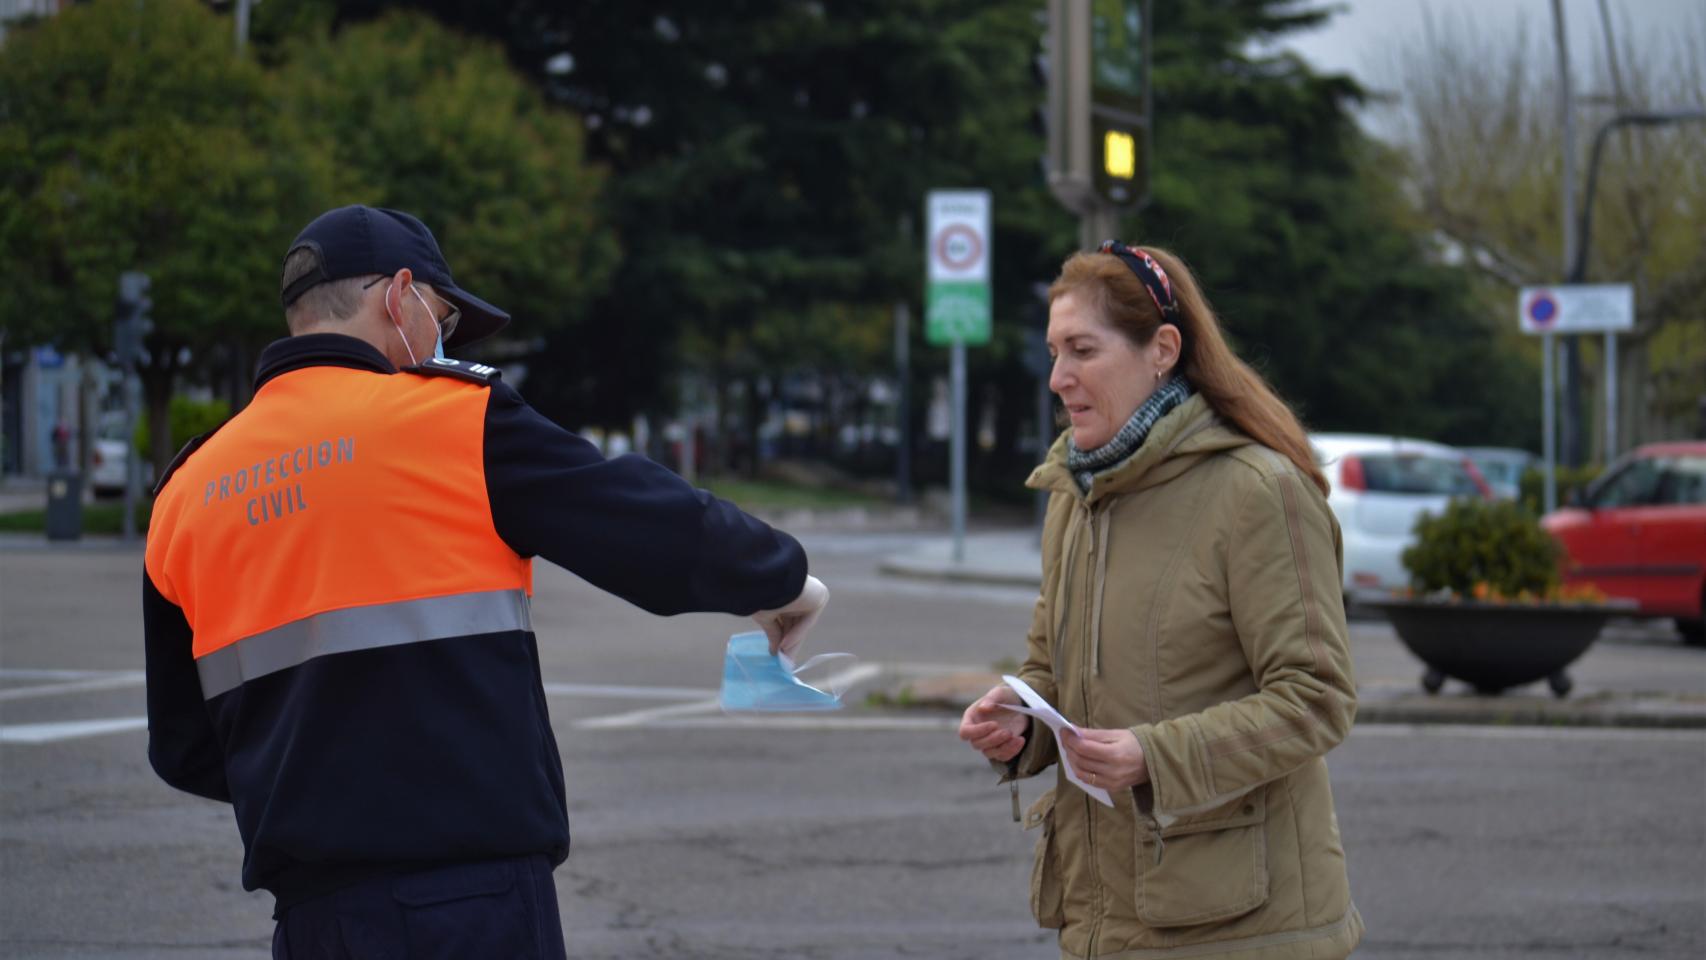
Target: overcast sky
column 1363, row 38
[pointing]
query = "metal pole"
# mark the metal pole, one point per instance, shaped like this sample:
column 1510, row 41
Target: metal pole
column 1549, row 500
column 1570, row 374
column 689, row 458
column 132, row 460
column 903, row 405
column 242, row 26
column 957, row 454
column 1584, row 234
column 1610, row 396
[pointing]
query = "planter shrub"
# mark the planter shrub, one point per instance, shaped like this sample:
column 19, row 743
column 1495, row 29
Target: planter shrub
column 1483, row 549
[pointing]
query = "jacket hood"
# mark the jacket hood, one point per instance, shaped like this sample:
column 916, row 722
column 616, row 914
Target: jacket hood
column 1189, row 432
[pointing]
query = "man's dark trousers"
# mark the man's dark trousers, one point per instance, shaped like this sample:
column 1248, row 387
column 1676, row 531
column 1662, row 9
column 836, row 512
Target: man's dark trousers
column 495, row 908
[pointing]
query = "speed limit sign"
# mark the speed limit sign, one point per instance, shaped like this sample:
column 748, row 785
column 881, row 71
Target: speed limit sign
column 957, row 308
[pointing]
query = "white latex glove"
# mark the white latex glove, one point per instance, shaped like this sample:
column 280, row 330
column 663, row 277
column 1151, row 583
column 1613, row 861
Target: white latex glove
column 787, row 626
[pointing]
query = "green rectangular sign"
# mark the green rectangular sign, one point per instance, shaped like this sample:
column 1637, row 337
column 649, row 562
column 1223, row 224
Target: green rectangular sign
column 957, row 312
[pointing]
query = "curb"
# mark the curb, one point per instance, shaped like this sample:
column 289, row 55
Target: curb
column 1629, row 712
column 101, row 543
column 952, row 693
column 921, row 569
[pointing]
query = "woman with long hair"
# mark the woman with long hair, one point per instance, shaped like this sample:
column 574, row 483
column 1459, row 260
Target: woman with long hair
column 1191, row 626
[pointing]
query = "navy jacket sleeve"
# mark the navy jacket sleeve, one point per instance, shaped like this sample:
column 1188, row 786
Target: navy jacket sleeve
column 182, row 746
column 628, row 525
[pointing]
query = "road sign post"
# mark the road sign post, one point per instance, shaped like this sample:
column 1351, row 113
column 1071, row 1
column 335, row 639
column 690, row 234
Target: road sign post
column 132, row 326
column 957, row 312
column 1572, row 308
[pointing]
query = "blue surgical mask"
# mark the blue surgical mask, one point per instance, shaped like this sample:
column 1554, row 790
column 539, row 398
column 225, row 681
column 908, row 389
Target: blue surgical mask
column 754, row 679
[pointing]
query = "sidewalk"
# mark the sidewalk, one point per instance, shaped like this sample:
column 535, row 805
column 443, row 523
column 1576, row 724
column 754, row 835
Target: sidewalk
column 22, row 493
column 1637, row 675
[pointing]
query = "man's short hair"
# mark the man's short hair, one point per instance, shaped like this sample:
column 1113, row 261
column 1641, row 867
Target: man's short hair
column 334, row 300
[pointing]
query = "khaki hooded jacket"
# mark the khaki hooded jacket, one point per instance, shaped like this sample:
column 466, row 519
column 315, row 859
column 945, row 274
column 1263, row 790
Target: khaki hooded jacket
column 1192, row 596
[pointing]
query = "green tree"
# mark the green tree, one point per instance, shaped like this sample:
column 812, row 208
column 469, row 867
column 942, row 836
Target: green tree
column 1478, row 116
column 132, row 137
column 412, row 115
column 770, row 162
column 766, row 155
column 1319, row 268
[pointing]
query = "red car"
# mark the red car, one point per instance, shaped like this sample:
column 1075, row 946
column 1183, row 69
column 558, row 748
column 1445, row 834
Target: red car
column 1640, row 532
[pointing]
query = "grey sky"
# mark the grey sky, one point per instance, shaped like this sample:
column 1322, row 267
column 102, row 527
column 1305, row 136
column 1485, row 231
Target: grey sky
column 1363, row 39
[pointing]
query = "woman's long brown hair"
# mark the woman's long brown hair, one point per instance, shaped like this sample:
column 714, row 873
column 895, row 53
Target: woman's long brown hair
column 1239, row 394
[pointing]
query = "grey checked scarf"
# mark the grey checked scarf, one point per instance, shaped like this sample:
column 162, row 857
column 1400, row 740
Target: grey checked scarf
column 1085, row 464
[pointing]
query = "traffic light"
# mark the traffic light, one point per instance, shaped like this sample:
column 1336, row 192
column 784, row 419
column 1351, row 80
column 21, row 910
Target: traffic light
column 1119, row 99
column 134, row 320
column 1098, row 102
column 1042, row 121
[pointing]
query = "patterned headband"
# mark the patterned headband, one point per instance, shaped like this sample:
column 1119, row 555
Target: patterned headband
column 1154, row 278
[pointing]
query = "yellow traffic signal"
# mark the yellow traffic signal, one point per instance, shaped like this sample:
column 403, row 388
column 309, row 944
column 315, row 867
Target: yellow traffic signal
column 1119, row 154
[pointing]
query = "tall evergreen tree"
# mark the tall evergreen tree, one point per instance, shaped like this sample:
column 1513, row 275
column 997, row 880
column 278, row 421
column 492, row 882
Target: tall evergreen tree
column 769, row 160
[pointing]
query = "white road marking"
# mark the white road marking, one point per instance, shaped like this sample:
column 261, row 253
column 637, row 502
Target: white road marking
column 132, row 678
column 840, row 680
column 637, row 718
column 71, row 730
column 27, row 673
column 1476, row 732
column 829, row 721
column 617, row 692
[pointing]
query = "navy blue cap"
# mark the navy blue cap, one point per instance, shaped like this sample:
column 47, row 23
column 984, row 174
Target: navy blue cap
column 362, row 241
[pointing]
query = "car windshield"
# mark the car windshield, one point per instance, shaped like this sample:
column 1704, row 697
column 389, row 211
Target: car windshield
column 1684, row 481
column 1401, row 473
column 1498, row 470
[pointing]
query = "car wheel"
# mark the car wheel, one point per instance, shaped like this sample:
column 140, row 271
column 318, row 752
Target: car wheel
column 1693, row 631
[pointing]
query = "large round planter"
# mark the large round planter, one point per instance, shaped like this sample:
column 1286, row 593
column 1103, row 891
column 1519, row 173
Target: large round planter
column 1495, row 646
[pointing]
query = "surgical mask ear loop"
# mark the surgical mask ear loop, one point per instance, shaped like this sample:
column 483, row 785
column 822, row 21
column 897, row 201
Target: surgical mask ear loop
column 438, row 339
column 835, row 685
column 397, row 324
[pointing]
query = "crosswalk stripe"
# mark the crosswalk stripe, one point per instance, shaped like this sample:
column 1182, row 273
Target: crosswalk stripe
column 70, row 730
column 132, row 678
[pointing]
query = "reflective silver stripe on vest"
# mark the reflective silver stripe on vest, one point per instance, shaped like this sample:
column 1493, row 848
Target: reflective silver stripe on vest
column 361, row 628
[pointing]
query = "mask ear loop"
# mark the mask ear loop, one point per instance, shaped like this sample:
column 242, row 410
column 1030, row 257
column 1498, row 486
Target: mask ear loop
column 838, row 682
column 397, row 325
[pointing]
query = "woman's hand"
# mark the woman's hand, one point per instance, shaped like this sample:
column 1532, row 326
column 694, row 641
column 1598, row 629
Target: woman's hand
column 1110, row 759
column 997, row 733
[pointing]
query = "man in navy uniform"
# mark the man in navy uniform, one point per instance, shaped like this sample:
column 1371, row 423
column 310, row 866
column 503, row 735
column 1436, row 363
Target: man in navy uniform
column 337, row 607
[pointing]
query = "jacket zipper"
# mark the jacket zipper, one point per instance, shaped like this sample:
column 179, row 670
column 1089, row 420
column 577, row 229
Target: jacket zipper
column 1084, row 694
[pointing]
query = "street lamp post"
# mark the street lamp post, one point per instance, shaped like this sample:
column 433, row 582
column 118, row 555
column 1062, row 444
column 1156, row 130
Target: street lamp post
column 1584, row 239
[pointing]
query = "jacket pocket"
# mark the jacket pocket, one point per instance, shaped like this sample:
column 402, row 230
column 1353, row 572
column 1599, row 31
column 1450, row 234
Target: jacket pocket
column 1207, row 868
column 468, row 911
column 1047, row 891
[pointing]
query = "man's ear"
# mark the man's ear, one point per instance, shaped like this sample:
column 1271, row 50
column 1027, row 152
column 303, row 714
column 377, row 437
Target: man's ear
column 394, row 292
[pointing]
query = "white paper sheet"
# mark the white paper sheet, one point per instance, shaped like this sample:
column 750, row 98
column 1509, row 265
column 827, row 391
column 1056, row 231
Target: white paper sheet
column 1040, row 709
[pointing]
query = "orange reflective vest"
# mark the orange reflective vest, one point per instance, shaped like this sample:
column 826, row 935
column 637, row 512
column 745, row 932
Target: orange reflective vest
column 283, row 539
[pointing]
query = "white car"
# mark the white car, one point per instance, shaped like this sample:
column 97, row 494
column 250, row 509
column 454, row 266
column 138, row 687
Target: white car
column 1381, row 485
column 108, row 460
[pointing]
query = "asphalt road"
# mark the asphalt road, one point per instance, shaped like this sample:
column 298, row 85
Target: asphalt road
column 863, row 834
